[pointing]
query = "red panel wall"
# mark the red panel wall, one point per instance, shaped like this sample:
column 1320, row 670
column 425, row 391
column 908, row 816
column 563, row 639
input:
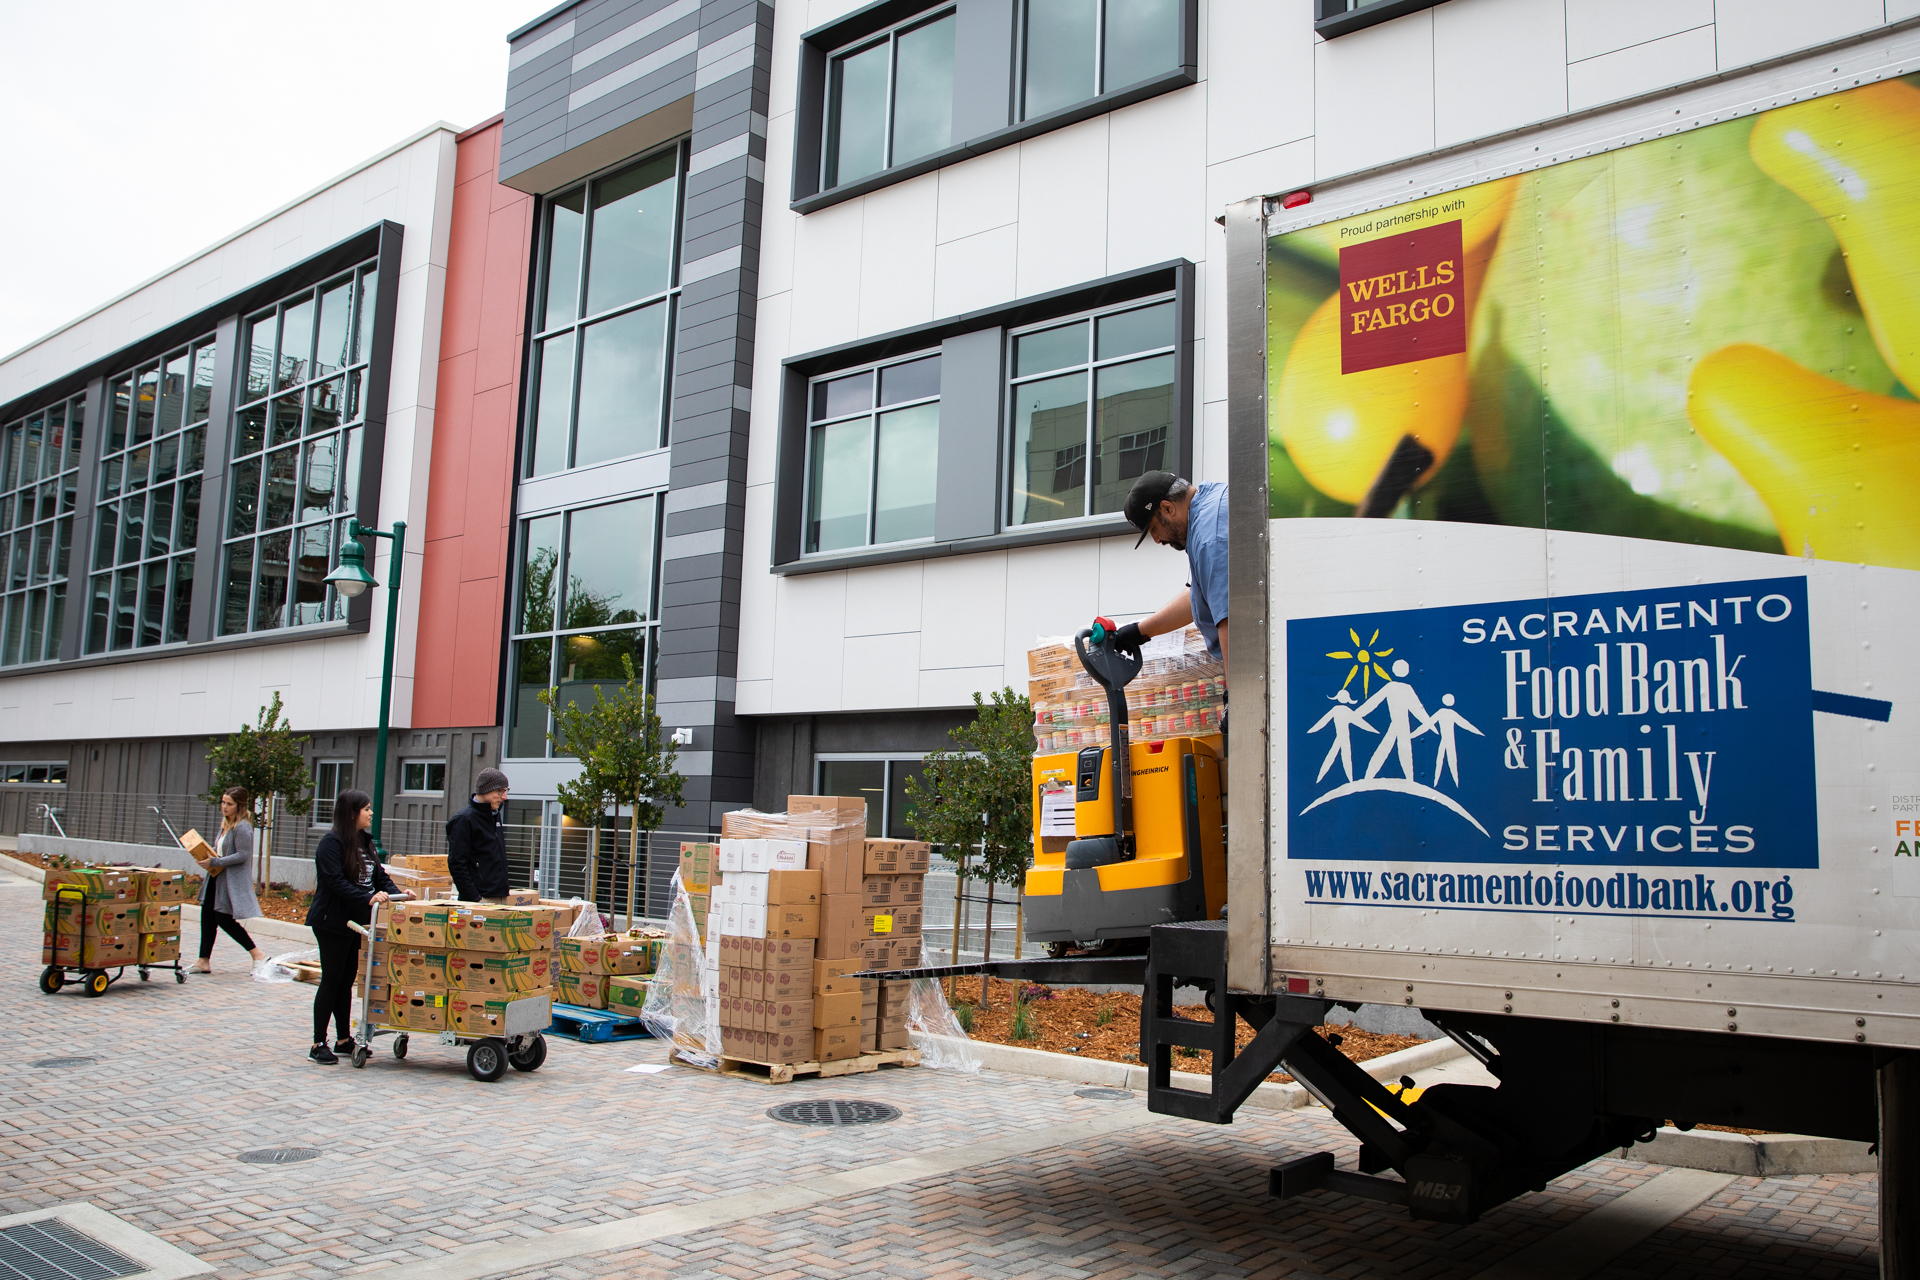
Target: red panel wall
column 464, row 579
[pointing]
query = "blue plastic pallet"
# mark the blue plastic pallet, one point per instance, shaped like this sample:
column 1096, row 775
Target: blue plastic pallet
column 595, row 1026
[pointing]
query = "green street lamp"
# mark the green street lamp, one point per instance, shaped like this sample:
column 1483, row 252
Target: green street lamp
column 351, row 580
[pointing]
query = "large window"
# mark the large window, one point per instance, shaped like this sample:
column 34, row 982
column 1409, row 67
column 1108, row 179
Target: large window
column 297, row 436
column 872, row 444
column 1092, row 410
column 1080, row 49
column 882, row 783
column 39, row 475
column 583, row 610
column 146, row 515
column 608, row 274
column 330, row 778
column 890, row 99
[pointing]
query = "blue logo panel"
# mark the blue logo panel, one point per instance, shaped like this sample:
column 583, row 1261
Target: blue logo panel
column 1629, row 728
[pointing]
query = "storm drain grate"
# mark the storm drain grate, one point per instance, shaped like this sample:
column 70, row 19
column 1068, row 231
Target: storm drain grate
column 279, row 1155
column 51, row 1250
column 1103, row 1094
column 834, row 1111
column 64, row 1062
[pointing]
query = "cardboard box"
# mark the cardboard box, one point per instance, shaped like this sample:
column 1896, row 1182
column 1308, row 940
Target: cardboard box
column 794, row 954
column 420, row 925
column 869, row 1037
column 485, row 971
column 96, row 884
column 838, row 1009
column 894, row 890
column 199, row 850
column 627, row 992
column 490, row 928
column 612, row 955
column 790, row 1015
column 893, row 922
column 793, row 923
column 746, row 888
column 95, row 919
column 697, row 862
column 839, row 808
column 833, row 1044
column 701, row 906
column 896, row 997
column 837, row 855
column 159, row 948
column 564, row 914
column 896, row 857
column 793, row 888
column 159, row 917
column 833, row 977
column 895, row 1038
column 516, row 898
column 433, row 864
column 474, row 1014
column 788, row 984
column 158, row 884
column 420, row 967
column 419, row 1010
column 587, row 990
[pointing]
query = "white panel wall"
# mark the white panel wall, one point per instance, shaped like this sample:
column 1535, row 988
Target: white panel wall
column 1277, row 110
column 327, row 685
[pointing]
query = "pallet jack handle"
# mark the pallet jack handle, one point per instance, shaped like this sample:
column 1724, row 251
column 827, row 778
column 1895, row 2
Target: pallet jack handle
column 1113, row 669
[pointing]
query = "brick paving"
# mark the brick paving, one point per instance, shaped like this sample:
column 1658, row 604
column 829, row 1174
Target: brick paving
column 419, row 1158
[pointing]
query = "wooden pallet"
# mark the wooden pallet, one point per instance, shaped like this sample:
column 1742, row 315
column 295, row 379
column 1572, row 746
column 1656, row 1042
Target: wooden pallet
column 595, row 1026
column 784, row 1073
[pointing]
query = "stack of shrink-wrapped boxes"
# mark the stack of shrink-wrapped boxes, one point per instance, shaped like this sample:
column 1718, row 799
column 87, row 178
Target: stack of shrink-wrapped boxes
column 456, row 966
column 799, row 902
column 125, row 916
column 608, row 972
column 1180, row 692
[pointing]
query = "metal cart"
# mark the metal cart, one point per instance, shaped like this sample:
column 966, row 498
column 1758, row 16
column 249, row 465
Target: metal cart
column 94, row 982
column 523, row 1047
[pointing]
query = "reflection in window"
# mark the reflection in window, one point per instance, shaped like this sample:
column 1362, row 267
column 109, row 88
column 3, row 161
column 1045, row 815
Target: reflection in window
column 599, row 374
column 585, row 584
column 890, row 100
column 428, row 776
column 1079, row 49
column 1092, row 410
column 882, row 783
column 39, row 477
column 294, row 481
column 330, row 778
column 872, row 455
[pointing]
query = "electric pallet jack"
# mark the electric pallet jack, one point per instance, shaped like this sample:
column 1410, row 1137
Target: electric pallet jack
column 1117, row 852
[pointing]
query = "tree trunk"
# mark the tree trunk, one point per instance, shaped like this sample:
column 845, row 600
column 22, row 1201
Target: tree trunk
column 633, row 857
column 986, row 944
column 263, row 854
column 959, row 906
column 1019, row 918
column 592, row 894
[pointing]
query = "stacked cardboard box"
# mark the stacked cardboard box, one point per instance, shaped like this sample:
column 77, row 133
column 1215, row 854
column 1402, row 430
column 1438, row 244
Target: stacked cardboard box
column 587, row 969
column 101, row 929
column 698, row 861
column 424, row 875
column 161, row 894
column 455, row 966
column 767, row 1010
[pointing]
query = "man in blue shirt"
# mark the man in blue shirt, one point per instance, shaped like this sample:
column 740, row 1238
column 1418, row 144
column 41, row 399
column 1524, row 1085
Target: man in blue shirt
column 1192, row 519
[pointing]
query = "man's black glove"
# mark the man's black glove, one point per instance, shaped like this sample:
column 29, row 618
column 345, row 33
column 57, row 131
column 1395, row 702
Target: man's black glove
column 1129, row 638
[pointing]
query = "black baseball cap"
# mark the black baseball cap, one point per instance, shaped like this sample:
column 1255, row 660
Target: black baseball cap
column 1148, row 492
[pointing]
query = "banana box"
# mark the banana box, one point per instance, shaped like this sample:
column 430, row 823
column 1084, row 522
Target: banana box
column 105, row 953
column 489, row 972
column 608, row 955
column 159, row 917
column 101, row 919
column 158, row 948
column 419, row 1010
column 158, row 884
column 98, row 884
column 492, row 928
column 420, row 967
column 587, row 990
column 627, row 992
column 423, row 924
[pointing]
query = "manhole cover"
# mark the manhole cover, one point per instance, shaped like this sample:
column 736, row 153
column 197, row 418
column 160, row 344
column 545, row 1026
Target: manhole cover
column 1104, row 1095
column 834, row 1111
column 63, row 1062
column 279, row 1155
column 55, row 1250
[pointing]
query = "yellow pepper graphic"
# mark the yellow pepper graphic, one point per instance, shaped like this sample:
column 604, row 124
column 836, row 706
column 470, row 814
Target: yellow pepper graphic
column 1835, row 465
column 1341, row 429
column 1855, row 157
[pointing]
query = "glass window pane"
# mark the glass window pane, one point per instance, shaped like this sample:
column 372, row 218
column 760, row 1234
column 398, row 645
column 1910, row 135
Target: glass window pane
column 363, row 311
column 296, row 343
column 10, row 466
column 904, row 473
column 566, row 220
column 200, row 399
column 100, row 613
column 1143, row 40
column 105, row 534
column 554, row 378
column 837, row 472
column 133, row 526
column 136, row 474
column 532, row 674
column 42, row 553
column 76, row 428
column 30, row 451
column 609, row 564
column 310, row 584
column 593, row 660
column 923, row 91
column 126, row 606
column 193, row 450
column 355, row 406
column 1050, row 349
column 840, row 396
column 257, row 346
column 145, row 394
column 898, row 771
column 238, row 587
column 323, row 412
column 622, row 366
column 22, row 559
column 348, row 502
column 276, row 506
column 331, row 350
column 250, row 429
column 284, row 425
column 62, row 546
column 1060, row 41
column 119, row 409
column 632, row 251
column 270, row 582
column 173, row 393
column 153, row 603
column 37, row 637
column 321, row 478
column 49, row 500
column 160, row 522
column 857, row 115
column 861, row 780
column 1050, row 449
column 16, row 627
column 245, row 509
column 1130, row 331
column 188, row 531
column 181, row 609
column 166, row 460
column 539, row 572
column 914, row 380
column 1133, row 422
column 110, row 474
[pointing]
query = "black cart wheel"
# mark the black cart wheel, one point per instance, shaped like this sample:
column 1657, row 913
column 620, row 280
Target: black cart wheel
column 531, row 1053
column 180, row 977
column 487, row 1060
column 399, row 1046
column 359, row 1056
column 96, row 982
column 50, row 979
column 144, row 975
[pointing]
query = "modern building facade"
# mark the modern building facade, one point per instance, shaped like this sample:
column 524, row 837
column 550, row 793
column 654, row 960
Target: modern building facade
column 793, row 356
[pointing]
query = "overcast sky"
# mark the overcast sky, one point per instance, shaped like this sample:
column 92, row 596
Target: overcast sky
column 138, row 132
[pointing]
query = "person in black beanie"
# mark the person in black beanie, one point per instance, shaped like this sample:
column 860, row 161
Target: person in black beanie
column 477, row 841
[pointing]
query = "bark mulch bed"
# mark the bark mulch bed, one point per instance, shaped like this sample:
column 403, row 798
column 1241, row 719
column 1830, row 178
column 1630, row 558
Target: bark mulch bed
column 276, row 903
column 1070, row 1020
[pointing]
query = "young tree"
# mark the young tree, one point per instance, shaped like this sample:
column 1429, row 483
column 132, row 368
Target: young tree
column 267, row 759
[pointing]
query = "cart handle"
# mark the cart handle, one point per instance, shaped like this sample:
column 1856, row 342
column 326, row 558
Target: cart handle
column 359, row 928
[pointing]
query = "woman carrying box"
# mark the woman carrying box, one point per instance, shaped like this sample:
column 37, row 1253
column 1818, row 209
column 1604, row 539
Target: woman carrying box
column 227, row 898
column 349, row 880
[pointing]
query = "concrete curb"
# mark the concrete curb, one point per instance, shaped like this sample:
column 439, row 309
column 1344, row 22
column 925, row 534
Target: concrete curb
column 1128, row 1075
column 1768, row 1155
column 273, row 935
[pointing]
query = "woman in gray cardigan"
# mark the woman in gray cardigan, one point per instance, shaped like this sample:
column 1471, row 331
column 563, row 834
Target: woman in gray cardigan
column 227, row 898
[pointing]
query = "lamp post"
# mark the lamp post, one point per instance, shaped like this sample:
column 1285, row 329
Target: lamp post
column 351, row 579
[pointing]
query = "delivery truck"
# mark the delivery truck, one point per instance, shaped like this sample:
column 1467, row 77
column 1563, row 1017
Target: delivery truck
column 1574, row 700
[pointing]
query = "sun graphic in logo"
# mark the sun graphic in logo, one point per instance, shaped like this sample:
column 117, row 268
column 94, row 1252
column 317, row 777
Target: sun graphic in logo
column 1362, row 657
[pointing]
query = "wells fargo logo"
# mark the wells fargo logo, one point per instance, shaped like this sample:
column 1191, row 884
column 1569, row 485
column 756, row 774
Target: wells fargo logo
column 1402, row 298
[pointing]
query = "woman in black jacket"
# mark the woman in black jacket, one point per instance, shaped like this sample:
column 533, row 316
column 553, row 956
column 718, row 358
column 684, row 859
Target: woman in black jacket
column 349, row 880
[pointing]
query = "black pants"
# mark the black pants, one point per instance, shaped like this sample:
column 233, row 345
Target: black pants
column 339, row 966
column 211, row 922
